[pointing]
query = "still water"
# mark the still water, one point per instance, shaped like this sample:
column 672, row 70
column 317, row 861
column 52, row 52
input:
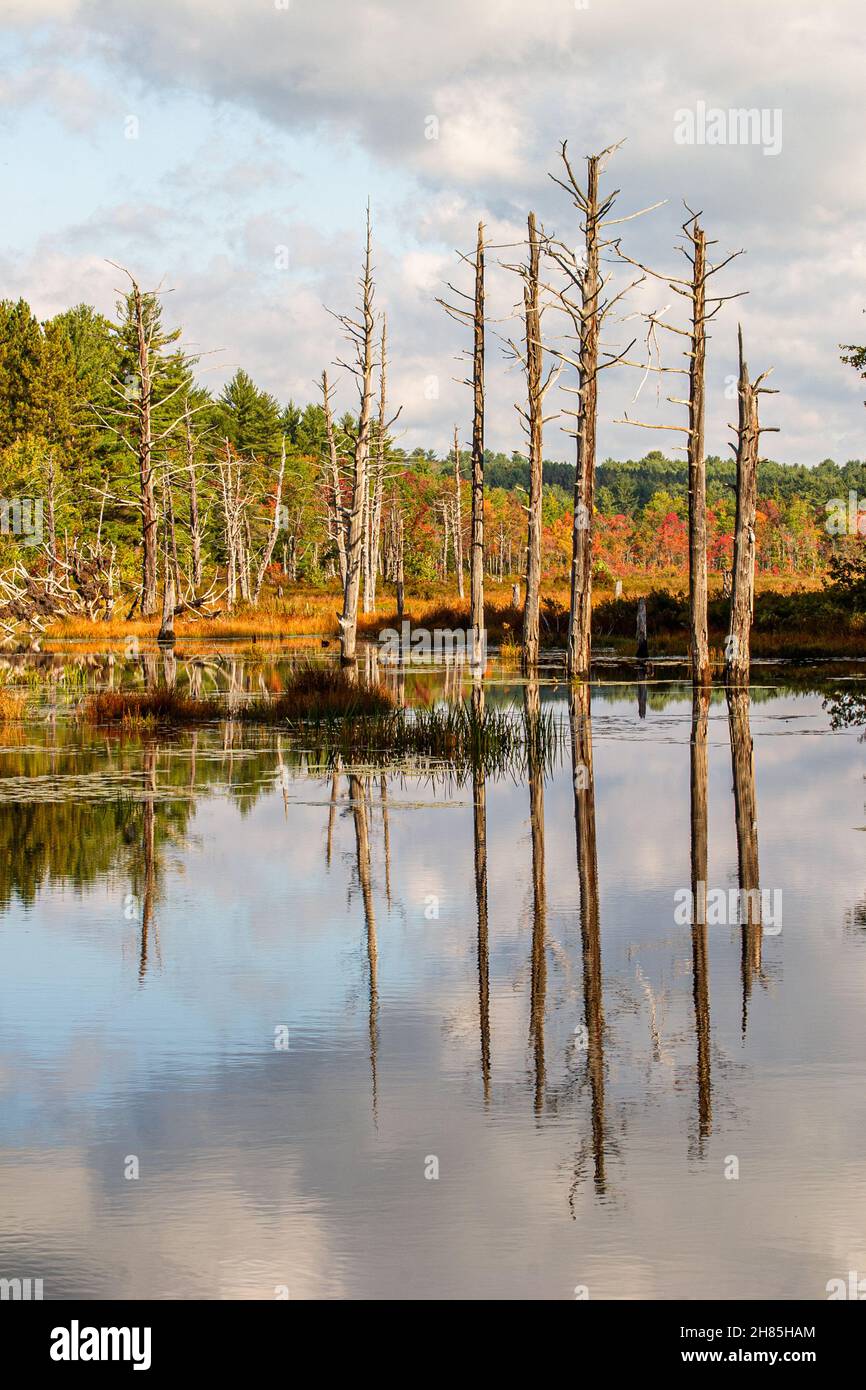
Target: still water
column 270, row 1029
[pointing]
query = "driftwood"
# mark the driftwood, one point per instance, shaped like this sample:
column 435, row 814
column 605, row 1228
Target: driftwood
column 80, row 585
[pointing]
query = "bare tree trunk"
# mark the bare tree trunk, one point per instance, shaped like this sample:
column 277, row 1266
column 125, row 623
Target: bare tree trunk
column 378, row 482
column 361, row 335
column 699, row 651
column 399, row 566
column 246, row 551
column 642, row 647
column 51, row 509
column 476, row 566
column 275, row 527
column 230, row 526
column 534, row 357
column 194, row 521
column 336, row 486
column 147, row 495
column 171, row 554
column 458, row 517
column 166, row 631
column 579, row 654
column 743, row 587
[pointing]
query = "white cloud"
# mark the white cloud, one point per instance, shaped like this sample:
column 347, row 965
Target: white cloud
column 506, row 83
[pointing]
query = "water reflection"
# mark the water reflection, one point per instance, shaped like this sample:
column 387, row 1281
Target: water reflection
column 590, row 925
column 538, row 986
column 358, row 795
column 558, row 1098
column 699, row 768
column 746, row 814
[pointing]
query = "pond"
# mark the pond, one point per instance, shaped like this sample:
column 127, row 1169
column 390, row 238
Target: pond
column 594, row 1027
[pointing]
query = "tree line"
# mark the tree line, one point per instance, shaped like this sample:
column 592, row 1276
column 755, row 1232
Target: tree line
column 161, row 496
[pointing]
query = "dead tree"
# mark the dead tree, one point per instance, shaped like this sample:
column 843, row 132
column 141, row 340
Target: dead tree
column 749, row 431
column 533, row 421
column 195, row 529
column 166, row 630
column 359, row 333
column 534, row 359
column 276, row 522
column 336, row 512
column 51, row 515
column 373, row 527
column 397, row 524
column 583, row 301
column 474, row 317
column 234, row 502
column 458, row 516
column 132, row 415
column 145, row 458
column 693, row 289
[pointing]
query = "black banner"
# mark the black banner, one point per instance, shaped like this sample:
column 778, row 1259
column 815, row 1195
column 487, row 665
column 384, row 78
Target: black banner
column 82, row 1339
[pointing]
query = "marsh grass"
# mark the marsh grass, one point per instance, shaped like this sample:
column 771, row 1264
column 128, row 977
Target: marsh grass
column 12, row 703
column 794, row 616
column 312, row 692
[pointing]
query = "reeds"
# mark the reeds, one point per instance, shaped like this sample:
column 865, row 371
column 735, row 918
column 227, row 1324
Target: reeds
column 457, row 736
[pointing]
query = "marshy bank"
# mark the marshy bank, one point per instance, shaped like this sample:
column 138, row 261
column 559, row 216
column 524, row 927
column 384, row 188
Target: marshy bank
column 790, row 620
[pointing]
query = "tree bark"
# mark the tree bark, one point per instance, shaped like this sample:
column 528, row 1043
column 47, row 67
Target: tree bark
column 534, row 356
column 579, row 654
column 362, row 336
column 476, row 567
column 743, row 587
column 336, row 509
column 194, row 521
column 378, row 482
column 699, row 651
column 147, row 495
column 275, row 527
column 458, row 517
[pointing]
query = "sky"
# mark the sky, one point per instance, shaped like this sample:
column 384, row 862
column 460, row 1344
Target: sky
column 225, row 149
